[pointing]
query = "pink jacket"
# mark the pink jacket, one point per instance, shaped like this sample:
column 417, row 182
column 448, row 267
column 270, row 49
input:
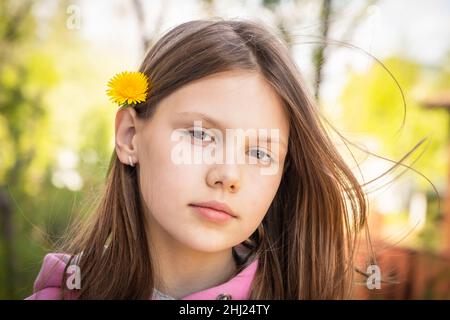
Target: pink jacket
column 48, row 282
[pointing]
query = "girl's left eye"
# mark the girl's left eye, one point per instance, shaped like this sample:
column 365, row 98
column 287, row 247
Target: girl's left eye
column 261, row 155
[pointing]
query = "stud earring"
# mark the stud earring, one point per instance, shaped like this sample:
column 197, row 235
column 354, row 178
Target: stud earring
column 130, row 161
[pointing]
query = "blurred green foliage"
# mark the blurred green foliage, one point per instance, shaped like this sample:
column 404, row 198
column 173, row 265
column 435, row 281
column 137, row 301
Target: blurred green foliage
column 47, row 107
column 374, row 106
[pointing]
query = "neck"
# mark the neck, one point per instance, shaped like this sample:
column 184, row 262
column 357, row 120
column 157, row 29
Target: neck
column 181, row 270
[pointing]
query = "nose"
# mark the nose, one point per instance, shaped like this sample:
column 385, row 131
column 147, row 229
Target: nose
column 225, row 176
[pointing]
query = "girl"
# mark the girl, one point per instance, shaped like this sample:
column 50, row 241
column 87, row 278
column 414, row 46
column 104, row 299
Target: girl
column 166, row 229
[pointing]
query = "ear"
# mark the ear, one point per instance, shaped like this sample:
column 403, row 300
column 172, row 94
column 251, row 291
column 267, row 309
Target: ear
column 126, row 125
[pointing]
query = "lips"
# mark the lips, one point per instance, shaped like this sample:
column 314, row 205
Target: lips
column 215, row 205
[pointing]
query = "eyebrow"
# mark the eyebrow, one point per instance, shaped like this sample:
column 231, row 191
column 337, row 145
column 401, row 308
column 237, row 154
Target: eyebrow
column 203, row 116
column 217, row 123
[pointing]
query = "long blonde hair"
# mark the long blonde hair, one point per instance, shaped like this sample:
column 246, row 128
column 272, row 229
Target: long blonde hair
column 305, row 244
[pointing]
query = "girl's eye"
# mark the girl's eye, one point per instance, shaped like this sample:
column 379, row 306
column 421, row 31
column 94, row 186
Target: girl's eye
column 201, row 135
column 261, row 155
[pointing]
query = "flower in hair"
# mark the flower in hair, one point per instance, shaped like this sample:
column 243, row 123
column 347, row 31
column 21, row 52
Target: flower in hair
column 128, row 88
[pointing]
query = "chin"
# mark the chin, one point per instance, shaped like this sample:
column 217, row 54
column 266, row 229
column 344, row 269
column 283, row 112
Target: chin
column 204, row 244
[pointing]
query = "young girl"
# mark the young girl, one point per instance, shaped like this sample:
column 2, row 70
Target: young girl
column 166, row 229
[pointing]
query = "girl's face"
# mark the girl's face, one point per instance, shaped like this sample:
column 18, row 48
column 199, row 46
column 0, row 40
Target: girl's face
column 169, row 188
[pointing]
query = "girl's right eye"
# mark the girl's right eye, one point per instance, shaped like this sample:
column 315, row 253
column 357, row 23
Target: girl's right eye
column 200, row 135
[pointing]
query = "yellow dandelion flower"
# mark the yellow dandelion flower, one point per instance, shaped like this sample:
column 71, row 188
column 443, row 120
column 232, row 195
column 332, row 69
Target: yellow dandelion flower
column 128, row 88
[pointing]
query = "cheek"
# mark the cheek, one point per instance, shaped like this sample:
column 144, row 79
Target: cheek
column 259, row 196
column 166, row 186
column 264, row 187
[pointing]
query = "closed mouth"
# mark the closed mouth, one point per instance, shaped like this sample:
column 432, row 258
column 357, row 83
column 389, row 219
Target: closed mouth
column 218, row 206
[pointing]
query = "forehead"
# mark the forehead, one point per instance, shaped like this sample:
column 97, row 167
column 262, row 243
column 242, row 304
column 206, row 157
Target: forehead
column 236, row 99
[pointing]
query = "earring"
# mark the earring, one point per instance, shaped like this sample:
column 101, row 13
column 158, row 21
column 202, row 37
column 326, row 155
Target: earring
column 130, row 161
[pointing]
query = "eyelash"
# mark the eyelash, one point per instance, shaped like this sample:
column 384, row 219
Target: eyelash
column 193, row 131
column 261, row 151
column 202, row 131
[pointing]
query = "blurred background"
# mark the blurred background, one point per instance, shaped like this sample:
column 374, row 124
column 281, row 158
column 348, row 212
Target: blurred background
column 380, row 71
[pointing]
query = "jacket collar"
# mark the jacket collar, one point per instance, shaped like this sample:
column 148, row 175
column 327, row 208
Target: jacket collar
column 49, row 279
column 237, row 288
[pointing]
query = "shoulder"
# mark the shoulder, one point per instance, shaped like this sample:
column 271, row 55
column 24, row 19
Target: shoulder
column 47, row 285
